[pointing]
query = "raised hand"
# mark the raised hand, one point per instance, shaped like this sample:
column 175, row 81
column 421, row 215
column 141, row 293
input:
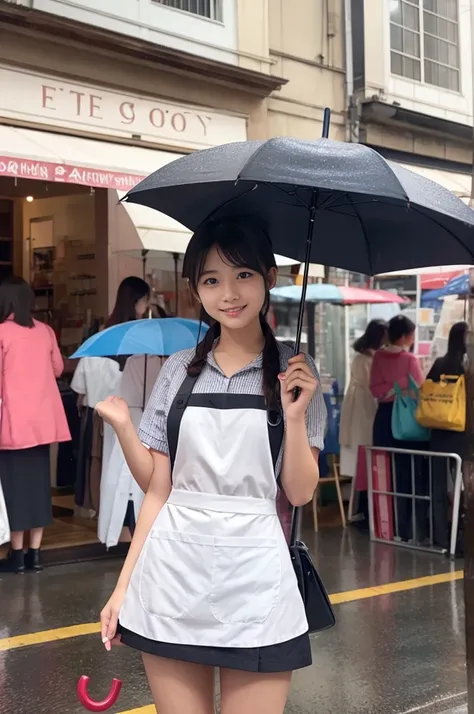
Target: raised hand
column 114, row 411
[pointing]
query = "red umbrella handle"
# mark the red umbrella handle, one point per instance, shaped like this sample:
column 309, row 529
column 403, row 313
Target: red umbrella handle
column 89, row 703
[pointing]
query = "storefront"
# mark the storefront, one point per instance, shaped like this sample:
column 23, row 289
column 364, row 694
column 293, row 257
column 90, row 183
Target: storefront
column 71, row 146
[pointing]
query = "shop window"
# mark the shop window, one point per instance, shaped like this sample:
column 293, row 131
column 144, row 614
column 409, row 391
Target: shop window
column 424, row 41
column 212, row 9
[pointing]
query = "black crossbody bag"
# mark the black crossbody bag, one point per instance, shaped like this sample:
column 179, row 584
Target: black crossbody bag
column 319, row 612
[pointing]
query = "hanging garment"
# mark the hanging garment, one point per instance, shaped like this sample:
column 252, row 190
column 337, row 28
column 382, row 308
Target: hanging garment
column 117, row 485
column 95, row 379
column 215, row 571
column 357, row 415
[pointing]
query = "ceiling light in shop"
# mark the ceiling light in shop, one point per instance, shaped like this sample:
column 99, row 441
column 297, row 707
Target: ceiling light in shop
column 30, row 199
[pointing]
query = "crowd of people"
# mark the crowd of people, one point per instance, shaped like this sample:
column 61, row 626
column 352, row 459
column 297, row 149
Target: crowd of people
column 385, row 365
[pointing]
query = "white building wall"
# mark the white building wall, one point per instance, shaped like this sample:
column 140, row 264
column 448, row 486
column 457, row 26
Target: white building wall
column 150, row 21
column 425, row 98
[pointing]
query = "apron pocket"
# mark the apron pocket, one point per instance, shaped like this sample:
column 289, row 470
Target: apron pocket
column 176, row 572
column 245, row 579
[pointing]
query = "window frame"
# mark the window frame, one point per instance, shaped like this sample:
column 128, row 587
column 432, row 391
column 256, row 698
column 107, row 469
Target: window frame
column 419, row 6
column 217, row 16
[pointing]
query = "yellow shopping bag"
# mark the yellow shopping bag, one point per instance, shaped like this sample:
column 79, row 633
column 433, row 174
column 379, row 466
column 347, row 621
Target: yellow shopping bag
column 442, row 405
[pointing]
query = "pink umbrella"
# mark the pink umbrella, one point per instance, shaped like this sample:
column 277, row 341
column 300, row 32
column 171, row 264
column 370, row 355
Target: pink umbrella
column 357, row 296
column 336, row 294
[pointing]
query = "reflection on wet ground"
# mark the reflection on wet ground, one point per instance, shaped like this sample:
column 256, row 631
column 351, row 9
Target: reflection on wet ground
column 390, row 653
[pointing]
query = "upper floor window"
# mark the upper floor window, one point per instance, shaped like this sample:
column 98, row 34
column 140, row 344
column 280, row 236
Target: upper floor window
column 424, row 41
column 205, row 8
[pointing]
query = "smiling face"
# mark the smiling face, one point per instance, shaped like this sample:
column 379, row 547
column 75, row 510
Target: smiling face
column 232, row 295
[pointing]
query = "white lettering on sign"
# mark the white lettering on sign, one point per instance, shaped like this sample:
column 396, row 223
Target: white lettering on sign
column 46, row 100
column 63, row 173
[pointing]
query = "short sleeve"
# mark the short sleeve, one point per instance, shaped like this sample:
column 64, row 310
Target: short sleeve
column 152, row 430
column 78, row 383
column 316, row 414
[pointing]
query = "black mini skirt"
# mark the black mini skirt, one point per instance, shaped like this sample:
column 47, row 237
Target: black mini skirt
column 282, row 657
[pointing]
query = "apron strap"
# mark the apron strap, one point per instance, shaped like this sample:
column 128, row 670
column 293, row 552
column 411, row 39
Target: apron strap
column 276, row 426
column 175, row 415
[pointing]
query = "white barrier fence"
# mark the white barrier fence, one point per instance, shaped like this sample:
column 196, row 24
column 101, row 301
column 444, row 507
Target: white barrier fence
column 403, row 500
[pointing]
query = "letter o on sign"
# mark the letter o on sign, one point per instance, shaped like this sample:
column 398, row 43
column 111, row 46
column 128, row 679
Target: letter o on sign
column 178, row 122
column 157, row 117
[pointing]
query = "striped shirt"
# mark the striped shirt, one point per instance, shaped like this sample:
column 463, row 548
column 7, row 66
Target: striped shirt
column 212, row 380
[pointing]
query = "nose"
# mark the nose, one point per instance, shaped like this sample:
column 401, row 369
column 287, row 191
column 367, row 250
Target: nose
column 231, row 291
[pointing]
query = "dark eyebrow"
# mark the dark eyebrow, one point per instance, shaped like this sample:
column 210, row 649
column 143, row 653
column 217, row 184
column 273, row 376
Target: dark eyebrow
column 208, row 272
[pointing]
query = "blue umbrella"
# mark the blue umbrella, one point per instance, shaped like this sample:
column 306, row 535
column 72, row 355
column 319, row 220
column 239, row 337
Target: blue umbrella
column 456, row 286
column 161, row 337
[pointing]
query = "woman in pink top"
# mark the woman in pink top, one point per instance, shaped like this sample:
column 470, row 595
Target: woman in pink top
column 396, row 364
column 32, row 417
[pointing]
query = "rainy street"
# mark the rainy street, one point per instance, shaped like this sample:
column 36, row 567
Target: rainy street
column 398, row 645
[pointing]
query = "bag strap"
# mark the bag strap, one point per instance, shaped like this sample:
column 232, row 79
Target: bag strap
column 397, row 390
column 413, row 385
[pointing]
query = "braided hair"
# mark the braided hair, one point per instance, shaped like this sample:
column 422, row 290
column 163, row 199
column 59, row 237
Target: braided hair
column 241, row 242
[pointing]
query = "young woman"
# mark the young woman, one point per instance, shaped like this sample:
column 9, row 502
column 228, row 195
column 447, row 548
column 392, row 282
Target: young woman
column 32, row 418
column 359, row 408
column 396, row 363
column 208, row 581
column 450, row 442
column 94, row 380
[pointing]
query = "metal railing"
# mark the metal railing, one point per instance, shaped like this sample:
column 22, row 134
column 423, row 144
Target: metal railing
column 212, row 9
column 419, row 501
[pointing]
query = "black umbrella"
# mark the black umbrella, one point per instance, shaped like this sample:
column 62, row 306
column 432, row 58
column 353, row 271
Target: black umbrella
column 323, row 201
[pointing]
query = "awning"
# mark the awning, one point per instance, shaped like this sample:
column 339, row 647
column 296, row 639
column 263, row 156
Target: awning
column 459, row 184
column 139, row 228
column 431, row 277
column 41, row 155
column 44, row 156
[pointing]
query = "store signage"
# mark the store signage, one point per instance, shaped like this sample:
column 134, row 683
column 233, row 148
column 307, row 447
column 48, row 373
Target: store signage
column 64, row 173
column 42, row 99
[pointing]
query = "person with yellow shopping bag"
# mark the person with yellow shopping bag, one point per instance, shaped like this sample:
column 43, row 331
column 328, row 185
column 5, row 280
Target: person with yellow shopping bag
column 443, row 408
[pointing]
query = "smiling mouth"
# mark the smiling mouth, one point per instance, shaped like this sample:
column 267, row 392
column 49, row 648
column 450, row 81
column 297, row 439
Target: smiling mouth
column 232, row 311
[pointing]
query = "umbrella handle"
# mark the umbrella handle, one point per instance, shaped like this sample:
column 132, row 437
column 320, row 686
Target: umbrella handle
column 90, row 704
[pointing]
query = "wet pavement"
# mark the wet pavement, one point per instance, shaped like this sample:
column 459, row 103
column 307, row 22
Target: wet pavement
column 390, row 653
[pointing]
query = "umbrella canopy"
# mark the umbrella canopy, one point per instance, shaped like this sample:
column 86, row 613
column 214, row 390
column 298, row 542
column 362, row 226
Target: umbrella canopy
column 144, row 337
column 361, row 212
column 456, row 286
column 342, row 295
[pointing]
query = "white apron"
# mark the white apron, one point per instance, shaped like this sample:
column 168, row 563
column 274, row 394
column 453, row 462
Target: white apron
column 215, row 569
column 117, row 485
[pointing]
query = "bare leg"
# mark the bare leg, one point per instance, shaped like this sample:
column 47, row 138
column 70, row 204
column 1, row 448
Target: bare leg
column 16, row 540
column 254, row 692
column 125, row 535
column 180, row 687
column 36, row 536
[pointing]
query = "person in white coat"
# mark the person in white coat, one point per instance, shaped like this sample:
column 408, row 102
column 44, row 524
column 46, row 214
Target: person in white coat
column 359, row 406
column 95, row 379
column 120, row 495
column 208, row 580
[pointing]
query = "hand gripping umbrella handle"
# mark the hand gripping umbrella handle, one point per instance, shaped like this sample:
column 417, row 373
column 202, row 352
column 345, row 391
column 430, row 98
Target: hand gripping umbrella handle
column 89, row 703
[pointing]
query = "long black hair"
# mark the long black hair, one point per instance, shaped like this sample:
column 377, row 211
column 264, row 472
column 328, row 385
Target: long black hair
column 373, row 338
column 241, row 242
column 17, row 300
column 130, row 291
column 457, row 342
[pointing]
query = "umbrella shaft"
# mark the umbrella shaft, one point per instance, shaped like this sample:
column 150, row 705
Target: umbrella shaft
column 309, row 241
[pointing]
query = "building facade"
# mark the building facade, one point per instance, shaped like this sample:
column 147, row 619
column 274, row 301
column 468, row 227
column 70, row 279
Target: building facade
column 93, row 98
column 411, row 79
